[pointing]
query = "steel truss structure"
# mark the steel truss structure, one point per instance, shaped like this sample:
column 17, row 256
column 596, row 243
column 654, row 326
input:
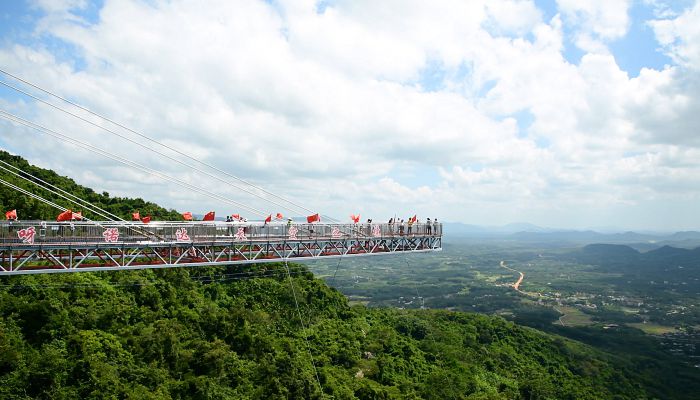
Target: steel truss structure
column 81, row 251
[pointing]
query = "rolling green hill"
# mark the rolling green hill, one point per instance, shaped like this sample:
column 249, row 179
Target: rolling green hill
column 236, row 332
column 205, row 333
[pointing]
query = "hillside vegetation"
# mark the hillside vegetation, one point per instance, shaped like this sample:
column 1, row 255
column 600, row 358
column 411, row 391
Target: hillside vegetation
column 205, row 333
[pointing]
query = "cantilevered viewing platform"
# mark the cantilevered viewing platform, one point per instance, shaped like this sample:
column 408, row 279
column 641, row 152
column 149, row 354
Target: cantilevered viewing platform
column 31, row 247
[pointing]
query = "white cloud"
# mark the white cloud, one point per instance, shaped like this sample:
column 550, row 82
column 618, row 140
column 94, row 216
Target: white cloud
column 596, row 21
column 666, row 107
column 680, row 37
column 517, row 17
column 325, row 106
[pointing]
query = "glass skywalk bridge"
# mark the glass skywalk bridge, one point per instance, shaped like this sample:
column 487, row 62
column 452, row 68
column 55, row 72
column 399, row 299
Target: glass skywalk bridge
column 31, row 247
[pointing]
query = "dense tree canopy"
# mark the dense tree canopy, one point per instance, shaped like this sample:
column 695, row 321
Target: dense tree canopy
column 207, row 333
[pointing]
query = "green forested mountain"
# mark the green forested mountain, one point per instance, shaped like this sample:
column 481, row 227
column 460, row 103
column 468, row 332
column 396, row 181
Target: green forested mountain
column 29, row 208
column 205, row 333
column 235, row 332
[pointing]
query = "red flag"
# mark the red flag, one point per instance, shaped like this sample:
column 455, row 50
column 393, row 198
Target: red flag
column 146, row 219
column 237, row 217
column 135, row 216
column 355, row 218
column 268, row 219
column 77, row 215
column 11, row 215
column 415, row 217
column 65, row 216
column 279, row 216
column 209, row 216
column 187, row 216
column 313, row 218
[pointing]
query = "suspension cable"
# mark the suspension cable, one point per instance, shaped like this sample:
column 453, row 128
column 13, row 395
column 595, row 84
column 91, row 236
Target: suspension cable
column 155, row 142
column 77, row 202
column 303, row 326
column 135, row 228
column 78, row 143
column 43, row 200
column 89, row 206
column 32, row 195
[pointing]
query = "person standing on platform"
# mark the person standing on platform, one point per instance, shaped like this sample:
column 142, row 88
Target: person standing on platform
column 401, row 228
column 428, row 227
column 410, row 226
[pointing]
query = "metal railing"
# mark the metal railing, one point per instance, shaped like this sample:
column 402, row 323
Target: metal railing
column 24, row 233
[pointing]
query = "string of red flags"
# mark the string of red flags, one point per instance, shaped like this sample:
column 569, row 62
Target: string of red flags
column 209, row 216
column 11, row 215
column 65, row 216
column 69, row 215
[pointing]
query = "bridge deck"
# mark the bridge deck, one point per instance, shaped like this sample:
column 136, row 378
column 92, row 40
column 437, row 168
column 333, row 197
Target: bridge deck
column 47, row 247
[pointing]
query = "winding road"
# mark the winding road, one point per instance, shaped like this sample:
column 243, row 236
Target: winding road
column 516, row 285
column 561, row 321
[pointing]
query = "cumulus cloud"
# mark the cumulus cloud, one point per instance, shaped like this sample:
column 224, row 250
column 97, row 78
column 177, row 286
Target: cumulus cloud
column 666, row 108
column 596, row 22
column 680, row 37
column 328, row 105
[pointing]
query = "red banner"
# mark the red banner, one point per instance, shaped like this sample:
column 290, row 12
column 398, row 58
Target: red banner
column 209, row 216
column 146, row 219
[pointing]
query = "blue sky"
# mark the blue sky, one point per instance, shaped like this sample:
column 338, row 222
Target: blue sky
column 554, row 112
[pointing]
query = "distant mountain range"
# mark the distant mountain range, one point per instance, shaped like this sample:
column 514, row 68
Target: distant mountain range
column 618, row 255
column 524, row 232
column 458, row 228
